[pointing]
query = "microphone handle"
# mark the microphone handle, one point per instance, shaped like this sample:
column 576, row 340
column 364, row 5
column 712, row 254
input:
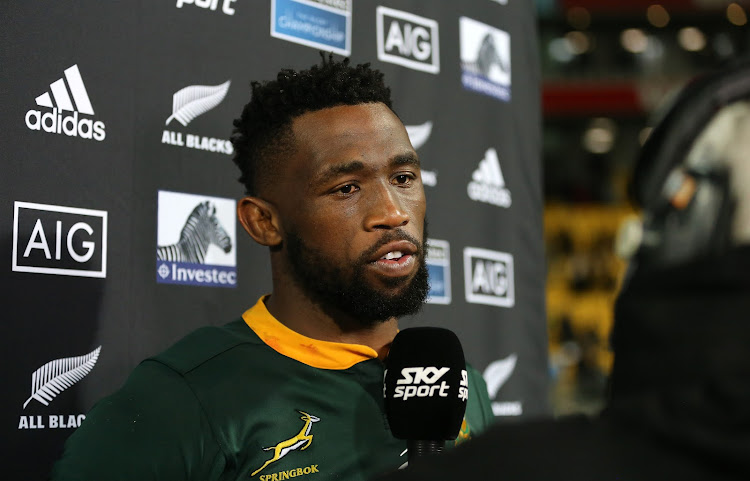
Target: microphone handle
column 420, row 448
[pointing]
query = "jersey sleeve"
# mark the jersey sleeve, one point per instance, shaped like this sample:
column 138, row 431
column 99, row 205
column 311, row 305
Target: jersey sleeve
column 152, row 428
column 482, row 407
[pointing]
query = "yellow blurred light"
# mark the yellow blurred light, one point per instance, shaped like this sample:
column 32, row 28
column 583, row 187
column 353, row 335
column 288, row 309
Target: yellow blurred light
column 634, row 40
column 599, row 138
column 579, row 18
column 657, row 16
column 736, row 14
column 691, row 39
column 578, row 42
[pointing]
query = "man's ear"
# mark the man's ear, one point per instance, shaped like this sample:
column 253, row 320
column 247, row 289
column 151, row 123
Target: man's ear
column 260, row 219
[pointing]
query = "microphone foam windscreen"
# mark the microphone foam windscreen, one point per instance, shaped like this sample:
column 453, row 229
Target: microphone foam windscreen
column 425, row 384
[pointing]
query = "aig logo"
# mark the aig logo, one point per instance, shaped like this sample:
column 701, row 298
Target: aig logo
column 488, row 277
column 52, row 239
column 408, row 40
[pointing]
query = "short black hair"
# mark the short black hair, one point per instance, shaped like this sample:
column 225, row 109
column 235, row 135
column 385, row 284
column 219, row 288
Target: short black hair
column 263, row 132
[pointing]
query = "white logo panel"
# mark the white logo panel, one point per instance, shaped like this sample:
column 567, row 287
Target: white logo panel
column 485, row 59
column 488, row 277
column 196, row 240
column 53, row 239
column 408, row 40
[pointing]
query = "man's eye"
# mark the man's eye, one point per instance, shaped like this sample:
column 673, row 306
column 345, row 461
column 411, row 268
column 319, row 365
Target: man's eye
column 403, row 179
column 348, row 189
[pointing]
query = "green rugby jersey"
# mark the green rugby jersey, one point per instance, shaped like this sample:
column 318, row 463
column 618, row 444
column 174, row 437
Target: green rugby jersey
column 251, row 400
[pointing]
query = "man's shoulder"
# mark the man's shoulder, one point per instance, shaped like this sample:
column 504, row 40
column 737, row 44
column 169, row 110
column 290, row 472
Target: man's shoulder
column 206, row 344
column 475, row 377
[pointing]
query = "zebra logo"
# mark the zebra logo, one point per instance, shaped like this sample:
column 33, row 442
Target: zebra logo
column 192, row 259
column 201, row 230
column 489, row 57
column 485, row 59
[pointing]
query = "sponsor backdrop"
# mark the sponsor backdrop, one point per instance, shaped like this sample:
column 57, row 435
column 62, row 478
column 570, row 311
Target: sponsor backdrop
column 117, row 196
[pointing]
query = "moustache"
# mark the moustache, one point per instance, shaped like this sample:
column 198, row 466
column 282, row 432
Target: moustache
column 390, row 236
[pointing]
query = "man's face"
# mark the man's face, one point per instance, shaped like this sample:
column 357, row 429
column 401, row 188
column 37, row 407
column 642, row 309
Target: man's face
column 352, row 210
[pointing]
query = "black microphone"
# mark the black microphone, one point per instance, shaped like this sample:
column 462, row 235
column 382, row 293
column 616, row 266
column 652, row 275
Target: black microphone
column 425, row 388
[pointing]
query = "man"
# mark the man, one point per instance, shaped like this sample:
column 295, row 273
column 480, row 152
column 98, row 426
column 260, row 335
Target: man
column 294, row 387
column 679, row 401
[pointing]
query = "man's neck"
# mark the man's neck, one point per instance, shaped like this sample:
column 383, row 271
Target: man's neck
column 307, row 318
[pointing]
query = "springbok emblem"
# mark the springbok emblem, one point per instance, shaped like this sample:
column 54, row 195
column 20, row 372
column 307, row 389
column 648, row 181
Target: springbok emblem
column 301, row 441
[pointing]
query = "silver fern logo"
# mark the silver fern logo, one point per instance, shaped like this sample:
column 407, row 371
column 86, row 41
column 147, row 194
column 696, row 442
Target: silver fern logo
column 190, row 102
column 496, row 375
column 418, row 135
column 56, row 376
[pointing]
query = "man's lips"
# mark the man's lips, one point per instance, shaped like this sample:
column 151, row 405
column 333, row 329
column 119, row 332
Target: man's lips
column 395, row 259
column 394, row 251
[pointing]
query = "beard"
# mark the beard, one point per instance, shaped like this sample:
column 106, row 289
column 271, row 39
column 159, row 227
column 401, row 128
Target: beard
column 337, row 289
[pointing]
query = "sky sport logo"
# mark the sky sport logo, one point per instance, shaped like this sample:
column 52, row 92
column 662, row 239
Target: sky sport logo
column 488, row 277
column 226, row 5
column 420, row 382
column 196, row 240
column 439, row 268
column 408, row 40
column 52, row 239
column 487, row 182
column 189, row 103
column 65, row 117
column 485, row 59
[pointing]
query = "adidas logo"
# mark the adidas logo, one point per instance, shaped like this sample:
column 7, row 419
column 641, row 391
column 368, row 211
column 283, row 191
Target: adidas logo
column 487, row 184
column 55, row 122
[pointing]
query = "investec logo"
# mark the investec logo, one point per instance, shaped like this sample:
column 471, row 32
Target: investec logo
column 487, row 182
column 52, row 239
column 50, row 380
column 407, row 39
column 226, row 5
column 439, row 268
column 485, row 59
column 488, row 277
column 196, row 240
column 187, row 104
column 65, row 117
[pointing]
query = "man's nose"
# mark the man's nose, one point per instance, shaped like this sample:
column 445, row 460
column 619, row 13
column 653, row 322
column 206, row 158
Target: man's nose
column 385, row 210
